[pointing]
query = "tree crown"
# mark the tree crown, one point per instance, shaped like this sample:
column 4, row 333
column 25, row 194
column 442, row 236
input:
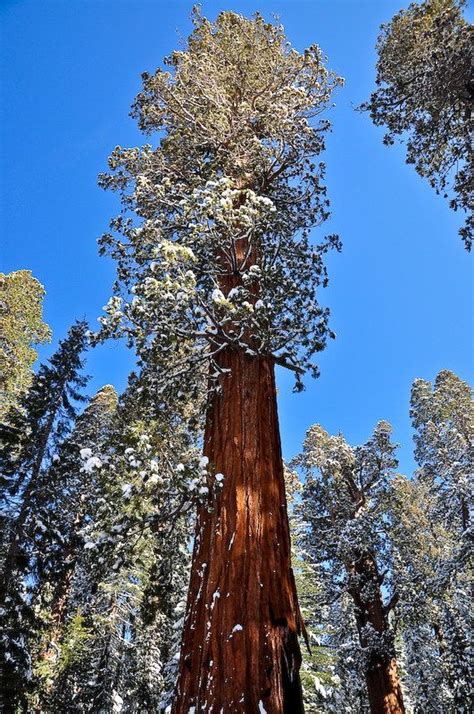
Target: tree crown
column 221, row 252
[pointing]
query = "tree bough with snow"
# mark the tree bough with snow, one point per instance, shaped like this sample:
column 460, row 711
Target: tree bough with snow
column 21, row 327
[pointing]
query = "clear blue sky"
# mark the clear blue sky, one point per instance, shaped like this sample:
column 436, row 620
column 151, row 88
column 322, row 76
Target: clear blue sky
column 400, row 292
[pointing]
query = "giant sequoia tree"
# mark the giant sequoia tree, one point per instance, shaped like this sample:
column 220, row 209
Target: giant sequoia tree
column 217, row 284
column 344, row 505
column 425, row 95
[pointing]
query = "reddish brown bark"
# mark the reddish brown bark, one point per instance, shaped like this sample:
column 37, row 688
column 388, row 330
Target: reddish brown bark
column 383, row 688
column 240, row 650
column 381, row 676
column 59, row 608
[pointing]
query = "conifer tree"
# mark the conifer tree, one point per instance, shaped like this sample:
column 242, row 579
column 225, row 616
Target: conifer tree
column 344, row 505
column 443, row 417
column 425, row 96
column 130, row 575
column 36, row 428
column 21, row 327
column 69, row 508
column 431, row 530
column 432, row 615
column 318, row 660
column 218, row 283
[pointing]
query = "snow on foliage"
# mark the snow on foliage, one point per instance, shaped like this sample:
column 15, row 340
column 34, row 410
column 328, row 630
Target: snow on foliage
column 186, row 230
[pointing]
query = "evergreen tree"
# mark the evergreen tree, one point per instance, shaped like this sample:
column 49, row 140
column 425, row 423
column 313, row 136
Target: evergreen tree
column 36, row 428
column 433, row 617
column 416, row 531
column 344, row 505
column 418, row 554
column 130, row 576
column 21, row 327
column 425, row 96
column 68, row 510
column 318, row 660
column 430, row 517
column 218, row 282
column 443, row 417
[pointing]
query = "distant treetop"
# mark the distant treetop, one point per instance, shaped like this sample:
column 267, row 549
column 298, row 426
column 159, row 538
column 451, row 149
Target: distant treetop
column 21, row 327
column 425, row 96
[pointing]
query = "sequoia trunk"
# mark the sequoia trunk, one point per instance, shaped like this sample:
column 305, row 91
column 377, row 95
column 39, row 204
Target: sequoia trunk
column 62, row 594
column 59, row 611
column 381, row 675
column 383, row 688
column 240, row 649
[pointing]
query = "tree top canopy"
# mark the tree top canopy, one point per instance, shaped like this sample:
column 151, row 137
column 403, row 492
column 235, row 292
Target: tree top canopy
column 220, row 255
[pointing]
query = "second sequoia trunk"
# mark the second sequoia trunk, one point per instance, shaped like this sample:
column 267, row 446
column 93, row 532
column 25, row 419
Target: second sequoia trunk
column 383, row 685
column 240, row 650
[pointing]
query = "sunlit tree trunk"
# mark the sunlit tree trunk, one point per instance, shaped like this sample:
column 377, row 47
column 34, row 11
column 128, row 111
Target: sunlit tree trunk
column 381, row 676
column 240, row 649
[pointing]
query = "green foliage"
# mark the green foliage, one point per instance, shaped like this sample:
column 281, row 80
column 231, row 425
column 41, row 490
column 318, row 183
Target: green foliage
column 77, row 637
column 425, row 96
column 21, row 327
column 431, row 529
column 124, row 555
column 443, row 416
column 44, row 414
column 76, row 640
column 317, row 667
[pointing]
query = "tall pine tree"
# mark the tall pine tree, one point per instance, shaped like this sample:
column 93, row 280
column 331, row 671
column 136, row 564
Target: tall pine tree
column 71, row 479
column 141, row 479
column 29, row 443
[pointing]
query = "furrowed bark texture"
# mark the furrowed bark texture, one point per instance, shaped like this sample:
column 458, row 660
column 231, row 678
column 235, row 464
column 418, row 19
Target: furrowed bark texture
column 240, row 650
column 383, row 684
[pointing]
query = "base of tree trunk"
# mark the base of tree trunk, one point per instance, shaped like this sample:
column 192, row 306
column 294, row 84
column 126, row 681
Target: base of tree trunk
column 240, row 649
